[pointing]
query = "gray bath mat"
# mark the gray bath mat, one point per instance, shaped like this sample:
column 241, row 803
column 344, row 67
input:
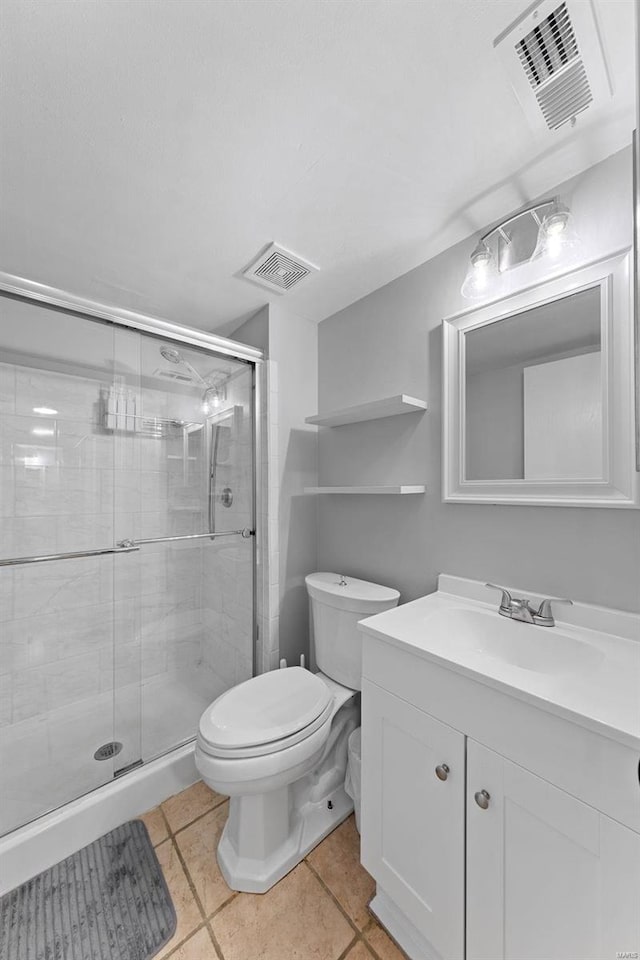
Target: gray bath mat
column 108, row 901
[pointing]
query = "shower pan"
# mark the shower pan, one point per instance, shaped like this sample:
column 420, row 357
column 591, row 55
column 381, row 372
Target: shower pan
column 127, row 505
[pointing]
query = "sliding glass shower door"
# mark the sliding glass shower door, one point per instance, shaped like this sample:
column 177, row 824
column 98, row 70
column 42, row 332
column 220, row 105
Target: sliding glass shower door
column 126, row 555
column 56, row 616
column 184, row 600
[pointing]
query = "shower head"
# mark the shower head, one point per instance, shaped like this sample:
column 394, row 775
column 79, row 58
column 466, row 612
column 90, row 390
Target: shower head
column 173, row 356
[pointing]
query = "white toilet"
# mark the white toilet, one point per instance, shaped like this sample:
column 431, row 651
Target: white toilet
column 277, row 744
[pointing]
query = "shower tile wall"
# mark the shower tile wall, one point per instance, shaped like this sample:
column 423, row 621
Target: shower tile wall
column 54, row 476
column 227, row 573
column 157, row 633
column 55, row 619
column 267, row 593
column 58, row 491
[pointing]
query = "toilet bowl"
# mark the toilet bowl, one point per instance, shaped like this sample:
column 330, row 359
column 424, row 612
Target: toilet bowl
column 277, row 743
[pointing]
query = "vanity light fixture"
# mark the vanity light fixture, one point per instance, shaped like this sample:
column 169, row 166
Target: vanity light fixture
column 496, row 251
column 213, row 399
column 556, row 234
column 481, row 273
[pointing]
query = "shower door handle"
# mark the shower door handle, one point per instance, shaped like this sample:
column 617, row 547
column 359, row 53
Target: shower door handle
column 125, row 546
column 246, row 532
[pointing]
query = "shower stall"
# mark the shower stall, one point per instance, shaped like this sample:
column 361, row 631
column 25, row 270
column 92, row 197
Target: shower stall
column 127, row 559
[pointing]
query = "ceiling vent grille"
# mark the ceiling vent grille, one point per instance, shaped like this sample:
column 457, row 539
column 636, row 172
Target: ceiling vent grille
column 548, row 47
column 555, row 61
column 170, row 375
column 565, row 98
column 551, row 60
column 278, row 269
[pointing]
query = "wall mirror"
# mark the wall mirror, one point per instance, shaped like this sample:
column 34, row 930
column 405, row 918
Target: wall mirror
column 539, row 394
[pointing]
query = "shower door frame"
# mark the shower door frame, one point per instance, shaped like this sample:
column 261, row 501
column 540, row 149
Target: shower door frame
column 63, row 301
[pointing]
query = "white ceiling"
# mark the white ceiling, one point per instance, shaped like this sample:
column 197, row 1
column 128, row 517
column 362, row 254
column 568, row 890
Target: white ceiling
column 151, row 149
column 564, row 325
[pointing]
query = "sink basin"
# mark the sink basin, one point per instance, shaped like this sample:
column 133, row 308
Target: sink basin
column 586, row 669
column 523, row 645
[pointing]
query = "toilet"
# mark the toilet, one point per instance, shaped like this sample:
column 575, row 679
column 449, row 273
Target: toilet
column 277, row 744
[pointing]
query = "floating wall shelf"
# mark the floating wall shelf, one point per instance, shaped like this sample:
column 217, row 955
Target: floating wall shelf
column 397, row 490
column 374, row 410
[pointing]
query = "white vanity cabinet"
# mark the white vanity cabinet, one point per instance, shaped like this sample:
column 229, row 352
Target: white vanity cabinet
column 413, row 818
column 542, row 865
column 547, row 875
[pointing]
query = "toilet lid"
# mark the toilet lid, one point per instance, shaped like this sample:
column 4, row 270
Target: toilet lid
column 266, row 708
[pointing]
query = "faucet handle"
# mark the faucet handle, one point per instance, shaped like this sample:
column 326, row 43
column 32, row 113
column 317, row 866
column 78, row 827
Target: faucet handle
column 544, row 616
column 507, row 599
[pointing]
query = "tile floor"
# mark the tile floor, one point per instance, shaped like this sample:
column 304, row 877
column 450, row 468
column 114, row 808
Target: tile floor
column 317, row 912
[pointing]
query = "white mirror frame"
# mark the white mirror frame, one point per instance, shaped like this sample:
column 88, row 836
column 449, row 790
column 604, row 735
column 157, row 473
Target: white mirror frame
column 619, row 486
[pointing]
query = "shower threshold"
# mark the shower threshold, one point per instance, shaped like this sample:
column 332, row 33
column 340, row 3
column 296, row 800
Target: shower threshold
column 36, row 846
column 52, row 757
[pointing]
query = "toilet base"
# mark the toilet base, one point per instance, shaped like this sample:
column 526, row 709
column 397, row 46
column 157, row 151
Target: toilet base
column 307, row 826
column 268, row 834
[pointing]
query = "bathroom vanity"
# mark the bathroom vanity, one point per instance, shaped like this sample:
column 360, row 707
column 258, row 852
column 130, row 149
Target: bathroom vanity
column 500, row 779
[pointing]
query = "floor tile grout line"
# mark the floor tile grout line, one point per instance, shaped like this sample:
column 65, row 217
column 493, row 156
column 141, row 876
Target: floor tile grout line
column 345, row 953
column 333, row 897
column 234, row 896
column 372, row 950
column 206, row 924
column 166, row 822
column 192, row 933
column 195, row 819
column 192, row 886
column 216, row 945
column 207, row 918
column 374, row 922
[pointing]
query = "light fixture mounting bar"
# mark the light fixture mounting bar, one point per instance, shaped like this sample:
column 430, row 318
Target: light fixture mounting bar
column 534, row 210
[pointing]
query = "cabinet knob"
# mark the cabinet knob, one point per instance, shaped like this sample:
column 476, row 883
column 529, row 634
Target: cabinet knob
column 442, row 771
column 482, row 799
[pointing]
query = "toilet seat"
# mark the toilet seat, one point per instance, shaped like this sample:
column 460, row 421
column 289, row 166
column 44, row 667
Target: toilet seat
column 266, row 714
column 273, row 746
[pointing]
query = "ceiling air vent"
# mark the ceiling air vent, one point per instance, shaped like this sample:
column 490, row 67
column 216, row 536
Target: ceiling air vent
column 278, row 269
column 554, row 57
column 170, row 375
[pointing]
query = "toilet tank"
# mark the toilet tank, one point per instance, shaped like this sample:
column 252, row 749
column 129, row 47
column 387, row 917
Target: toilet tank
column 337, row 604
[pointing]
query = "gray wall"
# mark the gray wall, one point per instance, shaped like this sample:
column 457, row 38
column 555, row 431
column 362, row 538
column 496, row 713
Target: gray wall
column 294, row 346
column 495, row 419
column 390, row 342
column 495, row 424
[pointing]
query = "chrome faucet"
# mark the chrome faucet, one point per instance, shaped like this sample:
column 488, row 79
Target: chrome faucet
column 519, row 608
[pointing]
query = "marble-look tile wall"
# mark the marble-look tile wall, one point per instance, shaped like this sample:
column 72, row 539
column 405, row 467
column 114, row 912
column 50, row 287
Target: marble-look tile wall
column 67, row 484
column 75, row 631
column 267, row 522
column 227, row 571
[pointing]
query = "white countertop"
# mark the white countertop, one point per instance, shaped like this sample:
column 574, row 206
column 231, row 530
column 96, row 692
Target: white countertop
column 590, row 674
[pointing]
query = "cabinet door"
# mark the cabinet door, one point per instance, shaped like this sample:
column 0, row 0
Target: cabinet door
column 548, row 877
column 412, row 821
